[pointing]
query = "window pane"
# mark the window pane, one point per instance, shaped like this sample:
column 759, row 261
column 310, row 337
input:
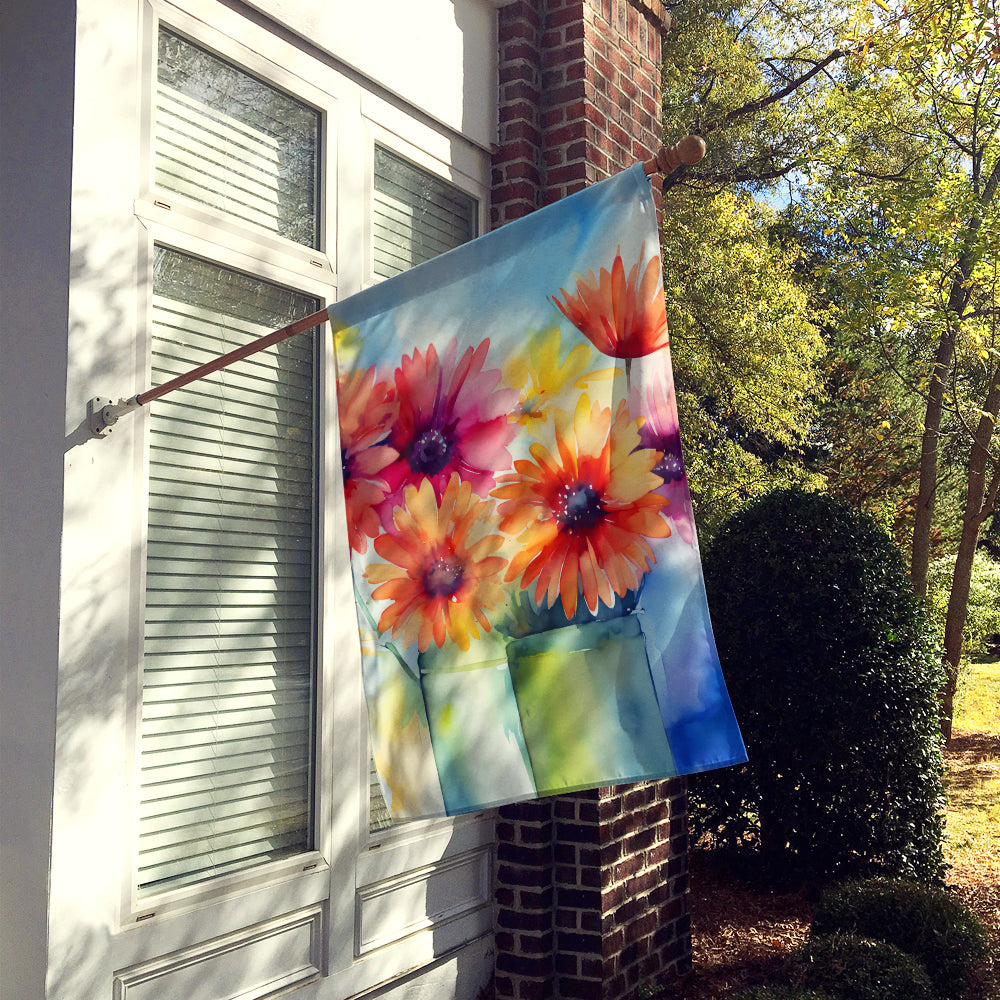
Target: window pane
column 416, row 215
column 226, row 139
column 228, row 676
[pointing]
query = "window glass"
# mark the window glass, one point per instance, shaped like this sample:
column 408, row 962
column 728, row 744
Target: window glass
column 228, row 685
column 231, row 141
column 416, row 215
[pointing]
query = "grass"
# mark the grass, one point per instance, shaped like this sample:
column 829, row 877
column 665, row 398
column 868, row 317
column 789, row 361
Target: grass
column 972, row 847
column 973, row 783
column 978, row 698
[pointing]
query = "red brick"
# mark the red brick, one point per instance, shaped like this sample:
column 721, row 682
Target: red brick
column 575, row 941
column 524, row 921
column 540, row 989
column 642, row 882
column 518, row 49
column 521, row 130
column 639, row 840
column 567, row 174
column 571, row 14
column 521, row 90
column 554, row 77
column 520, row 110
column 570, row 51
column 537, row 966
column 523, row 170
column 581, row 989
column 642, row 926
column 658, row 854
column 535, row 944
column 514, row 875
column 567, row 964
column 567, row 133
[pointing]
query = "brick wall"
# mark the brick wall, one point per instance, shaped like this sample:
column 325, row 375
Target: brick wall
column 591, row 889
column 579, row 96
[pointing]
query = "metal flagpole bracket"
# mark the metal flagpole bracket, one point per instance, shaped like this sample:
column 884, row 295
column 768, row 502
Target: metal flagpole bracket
column 103, row 413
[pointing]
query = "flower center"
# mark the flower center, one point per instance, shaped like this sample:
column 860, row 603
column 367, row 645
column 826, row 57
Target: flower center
column 345, row 465
column 443, row 576
column 670, row 468
column 579, row 508
column 430, row 452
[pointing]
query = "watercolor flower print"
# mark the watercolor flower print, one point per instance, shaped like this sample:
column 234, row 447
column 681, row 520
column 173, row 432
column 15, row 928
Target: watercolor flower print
column 510, row 487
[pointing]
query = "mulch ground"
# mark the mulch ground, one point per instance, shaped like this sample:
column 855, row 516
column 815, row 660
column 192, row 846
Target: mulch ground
column 742, row 935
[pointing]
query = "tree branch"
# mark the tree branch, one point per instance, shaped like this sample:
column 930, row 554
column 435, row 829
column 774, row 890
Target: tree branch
column 754, row 106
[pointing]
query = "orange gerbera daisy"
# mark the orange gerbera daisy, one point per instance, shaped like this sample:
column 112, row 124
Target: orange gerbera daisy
column 622, row 317
column 442, row 571
column 583, row 515
column 367, row 409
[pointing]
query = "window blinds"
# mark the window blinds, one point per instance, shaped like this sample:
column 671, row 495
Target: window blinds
column 416, row 215
column 227, row 681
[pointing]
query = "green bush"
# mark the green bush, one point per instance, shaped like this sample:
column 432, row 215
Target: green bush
column 834, row 673
column 925, row 922
column 856, row 968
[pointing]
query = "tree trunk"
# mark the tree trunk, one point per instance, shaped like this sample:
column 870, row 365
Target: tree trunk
column 958, row 299
column 920, row 553
column 979, row 500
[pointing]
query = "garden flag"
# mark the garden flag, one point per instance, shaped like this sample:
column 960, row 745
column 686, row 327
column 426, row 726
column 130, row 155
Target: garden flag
column 528, row 586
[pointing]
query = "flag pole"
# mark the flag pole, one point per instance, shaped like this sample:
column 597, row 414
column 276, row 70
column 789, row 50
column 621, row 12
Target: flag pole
column 687, row 152
column 103, row 413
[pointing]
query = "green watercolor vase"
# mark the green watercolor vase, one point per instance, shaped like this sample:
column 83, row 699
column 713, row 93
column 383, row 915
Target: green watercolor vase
column 587, row 705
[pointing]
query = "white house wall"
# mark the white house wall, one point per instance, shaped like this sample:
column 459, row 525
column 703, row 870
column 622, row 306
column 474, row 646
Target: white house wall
column 73, row 292
column 36, row 115
column 428, row 52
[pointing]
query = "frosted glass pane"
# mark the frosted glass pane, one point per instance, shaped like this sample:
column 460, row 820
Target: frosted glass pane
column 226, row 139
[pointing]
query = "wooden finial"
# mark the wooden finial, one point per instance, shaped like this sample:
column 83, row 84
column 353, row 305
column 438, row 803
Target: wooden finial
column 668, row 158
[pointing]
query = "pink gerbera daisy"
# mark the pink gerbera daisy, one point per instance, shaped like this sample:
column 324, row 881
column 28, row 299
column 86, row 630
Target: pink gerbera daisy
column 452, row 419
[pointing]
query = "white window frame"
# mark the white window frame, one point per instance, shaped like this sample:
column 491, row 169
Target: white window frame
column 351, row 873
column 180, row 224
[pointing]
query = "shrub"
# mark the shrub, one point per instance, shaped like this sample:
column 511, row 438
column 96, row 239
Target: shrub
column 834, row 674
column 856, row 968
column 982, row 619
column 782, row 993
column 926, row 922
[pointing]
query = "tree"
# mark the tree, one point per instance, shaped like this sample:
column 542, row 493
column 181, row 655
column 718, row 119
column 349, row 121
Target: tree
column 747, row 352
column 880, row 121
column 914, row 185
column 747, row 356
